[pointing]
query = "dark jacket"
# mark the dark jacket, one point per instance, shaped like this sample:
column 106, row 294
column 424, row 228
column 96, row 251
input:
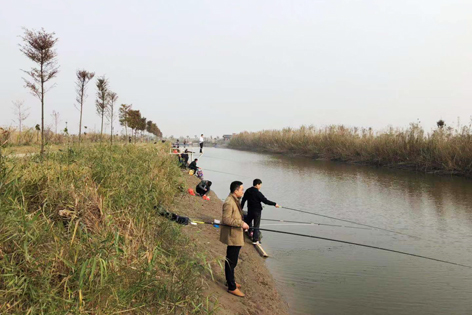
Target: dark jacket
column 254, row 198
column 203, row 188
column 193, row 166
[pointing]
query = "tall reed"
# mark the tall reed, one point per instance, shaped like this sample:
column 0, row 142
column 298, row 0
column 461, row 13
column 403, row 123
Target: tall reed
column 444, row 150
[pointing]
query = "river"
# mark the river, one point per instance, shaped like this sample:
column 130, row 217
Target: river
column 322, row 277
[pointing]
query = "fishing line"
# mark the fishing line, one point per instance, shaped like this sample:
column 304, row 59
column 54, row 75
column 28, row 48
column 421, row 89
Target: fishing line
column 215, row 223
column 329, row 217
column 225, row 173
column 353, row 222
column 368, row 246
column 313, row 223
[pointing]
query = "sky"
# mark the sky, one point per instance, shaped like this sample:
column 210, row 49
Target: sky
column 221, row 67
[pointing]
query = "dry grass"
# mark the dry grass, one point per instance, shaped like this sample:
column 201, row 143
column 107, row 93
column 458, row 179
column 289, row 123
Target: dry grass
column 32, row 137
column 78, row 234
column 444, row 150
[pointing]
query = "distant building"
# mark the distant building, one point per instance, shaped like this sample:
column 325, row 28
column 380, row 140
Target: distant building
column 227, row 137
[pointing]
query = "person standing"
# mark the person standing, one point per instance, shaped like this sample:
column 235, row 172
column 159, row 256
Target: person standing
column 201, row 143
column 254, row 197
column 232, row 234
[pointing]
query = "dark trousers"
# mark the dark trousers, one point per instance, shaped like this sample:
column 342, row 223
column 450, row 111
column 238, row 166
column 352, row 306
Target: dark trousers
column 232, row 255
column 201, row 147
column 201, row 192
column 256, row 217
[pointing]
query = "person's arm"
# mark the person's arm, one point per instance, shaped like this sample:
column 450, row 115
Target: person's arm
column 263, row 199
column 228, row 219
column 243, row 201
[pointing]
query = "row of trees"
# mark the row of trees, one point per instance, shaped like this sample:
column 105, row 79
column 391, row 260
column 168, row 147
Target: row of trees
column 39, row 47
column 130, row 118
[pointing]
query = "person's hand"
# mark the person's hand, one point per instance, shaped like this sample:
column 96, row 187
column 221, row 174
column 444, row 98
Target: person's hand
column 278, row 206
column 245, row 226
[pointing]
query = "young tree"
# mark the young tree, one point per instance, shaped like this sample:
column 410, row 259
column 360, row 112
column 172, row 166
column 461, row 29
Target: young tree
column 142, row 125
column 123, row 116
column 112, row 98
column 134, row 121
column 55, row 116
column 38, row 46
column 21, row 113
column 102, row 99
column 149, row 126
column 83, row 77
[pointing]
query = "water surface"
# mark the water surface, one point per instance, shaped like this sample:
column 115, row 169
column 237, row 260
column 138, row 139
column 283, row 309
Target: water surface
column 322, row 277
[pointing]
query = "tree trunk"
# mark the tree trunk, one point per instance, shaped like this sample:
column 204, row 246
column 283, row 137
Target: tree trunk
column 101, row 131
column 111, row 126
column 42, row 111
column 81, row 108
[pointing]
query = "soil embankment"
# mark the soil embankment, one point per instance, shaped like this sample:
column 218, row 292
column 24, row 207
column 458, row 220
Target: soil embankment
column 251, row 272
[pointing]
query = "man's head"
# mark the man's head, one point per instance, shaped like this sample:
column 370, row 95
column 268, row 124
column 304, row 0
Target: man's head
column 202, row 134
column 257, row 183
column 209, row 183
column 196, row 160
column 237, row 189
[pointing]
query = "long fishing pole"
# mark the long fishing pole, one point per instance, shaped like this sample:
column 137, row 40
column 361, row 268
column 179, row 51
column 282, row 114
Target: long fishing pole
column 363, row 245
column 224, row 173
column 217, row 223
column 316, row 223
column 349, row 221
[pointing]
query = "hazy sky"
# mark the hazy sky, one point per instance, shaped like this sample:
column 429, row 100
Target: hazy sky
column 218, row 67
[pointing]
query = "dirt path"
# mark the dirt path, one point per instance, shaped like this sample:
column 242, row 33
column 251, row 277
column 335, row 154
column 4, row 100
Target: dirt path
column 251, row 272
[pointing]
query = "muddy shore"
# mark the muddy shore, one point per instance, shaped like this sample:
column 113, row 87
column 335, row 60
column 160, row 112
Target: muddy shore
column 257, row 283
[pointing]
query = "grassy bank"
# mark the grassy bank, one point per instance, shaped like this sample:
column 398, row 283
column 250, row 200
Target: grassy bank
column 78, row 234
column 444, row 150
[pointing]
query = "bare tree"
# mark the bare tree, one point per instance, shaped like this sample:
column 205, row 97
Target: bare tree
column 21, row 113
column 112, row 98
column 38, row 46
column 83, row 77
column 102, row 99
column 56, row 116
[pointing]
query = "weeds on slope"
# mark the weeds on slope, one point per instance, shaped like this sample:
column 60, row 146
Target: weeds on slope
column 78, row 234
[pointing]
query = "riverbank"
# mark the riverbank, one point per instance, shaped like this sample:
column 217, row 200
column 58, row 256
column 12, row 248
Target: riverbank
column 79, row 233
column 257, row 283
column 443, row 151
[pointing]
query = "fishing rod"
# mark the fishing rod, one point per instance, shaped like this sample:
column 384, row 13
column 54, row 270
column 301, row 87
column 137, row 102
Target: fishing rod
column 363, row 245
column 217, row 223
column 349, row 221
column 225, row 173
column 315, row 223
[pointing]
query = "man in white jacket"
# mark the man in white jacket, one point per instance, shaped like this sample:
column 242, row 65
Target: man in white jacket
column 201, row 143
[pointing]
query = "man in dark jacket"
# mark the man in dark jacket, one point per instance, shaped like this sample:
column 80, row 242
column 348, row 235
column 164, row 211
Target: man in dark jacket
column 203, row 188
column 193, row 166
column 254, row 197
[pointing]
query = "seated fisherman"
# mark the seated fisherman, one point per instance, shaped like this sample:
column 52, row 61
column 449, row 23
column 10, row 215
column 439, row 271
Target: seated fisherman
column 193, row 166
column 185, row 157
column 203, row 188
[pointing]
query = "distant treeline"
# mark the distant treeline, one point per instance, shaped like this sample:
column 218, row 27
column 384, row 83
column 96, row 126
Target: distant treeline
column 444, row 150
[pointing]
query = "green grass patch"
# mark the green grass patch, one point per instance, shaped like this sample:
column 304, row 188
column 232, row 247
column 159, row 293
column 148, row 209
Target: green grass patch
column 78, row 234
